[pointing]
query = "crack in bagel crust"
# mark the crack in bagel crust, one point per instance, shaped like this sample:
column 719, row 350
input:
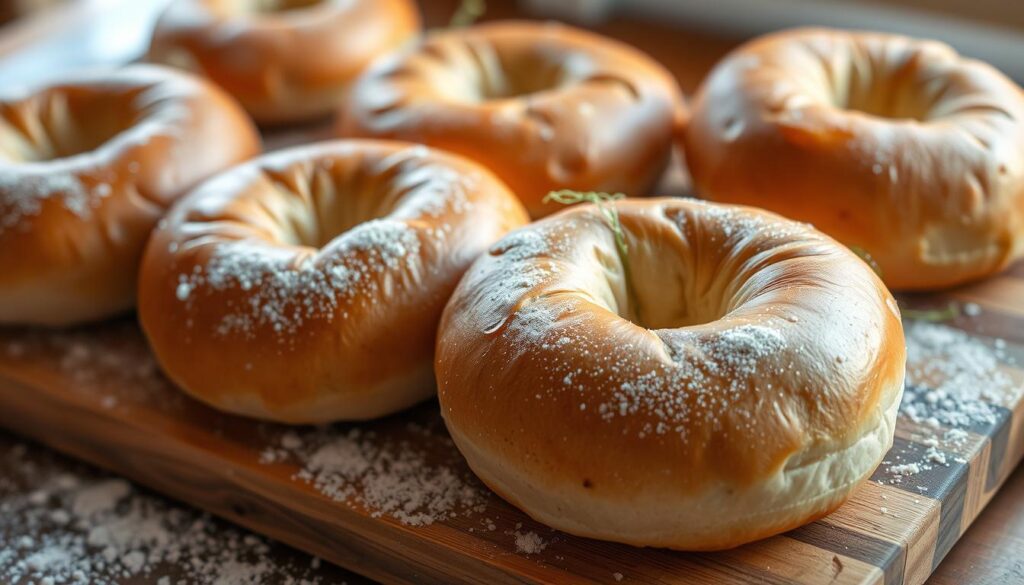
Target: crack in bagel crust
column 758, row 391
column 544, row 106
column 894, row 145
column 306, row 286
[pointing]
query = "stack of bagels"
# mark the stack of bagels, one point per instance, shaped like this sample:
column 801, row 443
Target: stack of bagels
column 672, row 372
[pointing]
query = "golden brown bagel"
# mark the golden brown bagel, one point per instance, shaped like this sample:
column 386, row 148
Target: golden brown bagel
column 306, row 285
column 738, row 379
column 544, row 106
column 895, row 145
column 87, row 167
column 285, row 60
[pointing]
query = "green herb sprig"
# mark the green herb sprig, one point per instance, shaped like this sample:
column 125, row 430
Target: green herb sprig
column 868, row 259
column 601, row 200
column 605, row 205
column 468, row 12
column 950, row 312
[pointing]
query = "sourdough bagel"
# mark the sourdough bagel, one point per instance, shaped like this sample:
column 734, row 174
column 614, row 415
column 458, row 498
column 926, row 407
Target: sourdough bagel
column 87, row 167
column 285, row 60
column 544, row 106
column 898, row 146
column 733, row 375
column 306, row 286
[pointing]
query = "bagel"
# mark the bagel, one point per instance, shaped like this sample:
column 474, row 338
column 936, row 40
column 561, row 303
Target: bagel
column 87, row 167
column 285, row 60
column 730, row 376
column 306, row 286
column 545, row 106
column 894, row 145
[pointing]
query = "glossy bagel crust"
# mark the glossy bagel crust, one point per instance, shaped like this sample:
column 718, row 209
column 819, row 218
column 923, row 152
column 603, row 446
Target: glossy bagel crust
column 306, row 286
column 283, row 65
column 87, row 167
column 895, row 145
column 737, row 375
column 543, row 105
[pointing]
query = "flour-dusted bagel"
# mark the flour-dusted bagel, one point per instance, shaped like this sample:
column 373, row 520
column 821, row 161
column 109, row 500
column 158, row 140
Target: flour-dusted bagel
column 285, row 60
column 730, row 376
column 306, row 286
column 545, row 106
column 87, row 167
column 891, row 144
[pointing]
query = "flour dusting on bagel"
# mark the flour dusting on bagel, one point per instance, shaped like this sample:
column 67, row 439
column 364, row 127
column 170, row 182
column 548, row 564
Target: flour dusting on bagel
column 306, row 285
column 740, row 379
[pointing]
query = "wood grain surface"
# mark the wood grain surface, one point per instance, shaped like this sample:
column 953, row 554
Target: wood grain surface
column 992, row 550
column 95, row 393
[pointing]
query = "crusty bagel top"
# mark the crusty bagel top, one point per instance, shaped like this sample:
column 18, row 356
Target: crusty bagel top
column 726, row 343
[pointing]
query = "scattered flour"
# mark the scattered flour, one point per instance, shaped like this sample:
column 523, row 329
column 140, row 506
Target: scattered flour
column 905, row 469
column 63, row 523
column 393, row 479
column 101, row 496
column 109, row 362
column 113, row 530
column 529, row 543
column 953, row 380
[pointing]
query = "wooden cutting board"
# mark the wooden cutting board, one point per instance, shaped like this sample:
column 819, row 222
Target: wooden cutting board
column 96, row 394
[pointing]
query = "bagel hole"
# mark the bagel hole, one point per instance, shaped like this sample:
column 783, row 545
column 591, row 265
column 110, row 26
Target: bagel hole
column 341, row 197
column 888, row 93
column 673, row 302
column 334, row 210
column 667, row 290
column 61, row 124
column 498, row 75
column 887, row 106
column 513, row 84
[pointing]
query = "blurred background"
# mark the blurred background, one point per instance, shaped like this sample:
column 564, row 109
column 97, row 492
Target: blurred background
column 45, row 38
